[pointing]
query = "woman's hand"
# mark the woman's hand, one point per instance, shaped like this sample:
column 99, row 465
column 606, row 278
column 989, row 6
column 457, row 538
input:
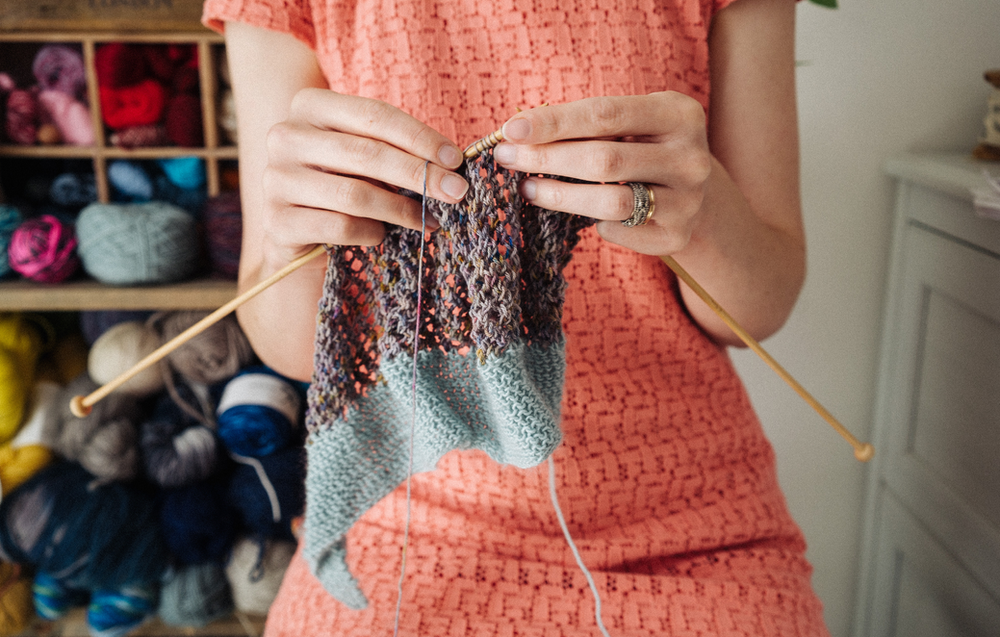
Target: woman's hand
column 659, row 140
column 333, row 167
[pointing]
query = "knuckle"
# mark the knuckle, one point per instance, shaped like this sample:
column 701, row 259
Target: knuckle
column 608, row 164
column 350, row 194
column 608, row 116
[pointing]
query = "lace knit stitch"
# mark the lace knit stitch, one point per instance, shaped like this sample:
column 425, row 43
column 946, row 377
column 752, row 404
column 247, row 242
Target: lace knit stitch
column 490, row 359
column 664, row 474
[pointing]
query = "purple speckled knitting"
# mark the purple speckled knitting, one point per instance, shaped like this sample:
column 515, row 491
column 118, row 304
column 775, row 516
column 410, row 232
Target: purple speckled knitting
column 490, row 361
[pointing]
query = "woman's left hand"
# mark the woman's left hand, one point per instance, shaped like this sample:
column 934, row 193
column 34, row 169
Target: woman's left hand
column 659, row 140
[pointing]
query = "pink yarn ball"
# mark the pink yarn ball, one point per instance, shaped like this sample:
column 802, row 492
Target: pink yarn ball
column 44, row 249
column 71, row 117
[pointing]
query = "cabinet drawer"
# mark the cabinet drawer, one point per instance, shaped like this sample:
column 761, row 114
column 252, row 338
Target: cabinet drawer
column 919, row 590
column 944, row 410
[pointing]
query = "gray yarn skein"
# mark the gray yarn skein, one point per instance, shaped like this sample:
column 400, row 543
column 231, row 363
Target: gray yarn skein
column 105, row 442
column 175, row 459
column 195, row 595
column 214, row 355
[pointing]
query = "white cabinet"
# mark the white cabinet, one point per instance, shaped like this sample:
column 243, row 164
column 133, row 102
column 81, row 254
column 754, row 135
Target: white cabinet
column 931, row 548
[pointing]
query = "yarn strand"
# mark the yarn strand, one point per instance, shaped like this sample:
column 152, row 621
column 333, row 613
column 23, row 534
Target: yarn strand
column 572, row 547
column 413, row 420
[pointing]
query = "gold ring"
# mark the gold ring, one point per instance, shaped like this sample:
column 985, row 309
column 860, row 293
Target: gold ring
column 644, row 203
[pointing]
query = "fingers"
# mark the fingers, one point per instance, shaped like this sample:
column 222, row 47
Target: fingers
column 610, row 117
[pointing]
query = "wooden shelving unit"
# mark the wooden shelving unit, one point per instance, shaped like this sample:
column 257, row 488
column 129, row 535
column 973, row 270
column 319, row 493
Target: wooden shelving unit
column 88, row 294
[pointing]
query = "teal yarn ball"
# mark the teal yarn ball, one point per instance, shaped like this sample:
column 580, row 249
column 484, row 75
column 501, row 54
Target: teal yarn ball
column 137, row 244
column 195, row 595
column 10, row 219
column 184, row 172
column 52, row 599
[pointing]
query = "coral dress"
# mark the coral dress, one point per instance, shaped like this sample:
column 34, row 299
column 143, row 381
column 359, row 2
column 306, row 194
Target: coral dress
column 665, row 477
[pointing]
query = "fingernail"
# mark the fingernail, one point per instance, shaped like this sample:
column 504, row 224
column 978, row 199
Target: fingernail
column 431, row 222
column 454, row 186
column 528, row 189
column 449, row 156
column 517, row 129
column 505, row 153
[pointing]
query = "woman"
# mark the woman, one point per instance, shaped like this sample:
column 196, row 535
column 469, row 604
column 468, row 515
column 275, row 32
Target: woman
column 665, row 477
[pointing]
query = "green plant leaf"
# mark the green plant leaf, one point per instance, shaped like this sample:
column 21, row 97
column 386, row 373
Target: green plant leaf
column 829, row 4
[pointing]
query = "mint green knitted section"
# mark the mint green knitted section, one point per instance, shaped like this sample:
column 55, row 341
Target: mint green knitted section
column 507, row 406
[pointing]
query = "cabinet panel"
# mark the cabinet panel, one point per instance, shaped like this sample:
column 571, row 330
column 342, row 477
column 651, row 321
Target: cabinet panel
column 920, row 591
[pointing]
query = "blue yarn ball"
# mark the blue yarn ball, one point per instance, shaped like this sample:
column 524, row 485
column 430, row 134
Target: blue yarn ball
column 96, row 536
column 258, row 412
column 195, row 595
column 184, row 172
column 10, row 220
column 137, row 244
column 73, row 190
column 250, row 492
column 52, row 599
column 115, row 613
column 197, row 523
column 130, row 180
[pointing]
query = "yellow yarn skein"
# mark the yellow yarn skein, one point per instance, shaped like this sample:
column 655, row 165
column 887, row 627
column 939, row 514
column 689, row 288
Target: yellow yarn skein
column 16, row 608
column 30, row 450
column 21, row 343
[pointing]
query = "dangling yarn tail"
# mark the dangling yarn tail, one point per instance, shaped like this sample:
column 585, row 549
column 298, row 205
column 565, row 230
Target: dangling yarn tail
column 413, row 421
column 572, row 546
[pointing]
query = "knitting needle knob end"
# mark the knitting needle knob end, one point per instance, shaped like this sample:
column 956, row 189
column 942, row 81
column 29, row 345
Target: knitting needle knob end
column 865, row 452
column 79, row 409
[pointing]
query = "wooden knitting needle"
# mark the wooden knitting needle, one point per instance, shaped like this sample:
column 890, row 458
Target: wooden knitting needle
column 81, row 406
column 862, row 451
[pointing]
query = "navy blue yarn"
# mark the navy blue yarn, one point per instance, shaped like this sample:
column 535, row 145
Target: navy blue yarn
column 286, row 471
column 91, row 536
column 198, row 524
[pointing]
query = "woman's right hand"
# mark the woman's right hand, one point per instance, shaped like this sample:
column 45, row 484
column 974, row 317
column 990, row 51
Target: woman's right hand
column 316, row 167
column 333, row 168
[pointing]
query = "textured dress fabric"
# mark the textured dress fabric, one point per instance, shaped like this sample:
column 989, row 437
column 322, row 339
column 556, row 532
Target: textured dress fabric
column 665, row 477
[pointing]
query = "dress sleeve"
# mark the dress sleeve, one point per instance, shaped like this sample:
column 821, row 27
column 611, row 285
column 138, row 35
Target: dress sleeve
column 286, row 16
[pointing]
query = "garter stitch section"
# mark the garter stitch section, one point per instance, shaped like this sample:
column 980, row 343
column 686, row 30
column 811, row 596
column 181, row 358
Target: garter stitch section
column 490, row 356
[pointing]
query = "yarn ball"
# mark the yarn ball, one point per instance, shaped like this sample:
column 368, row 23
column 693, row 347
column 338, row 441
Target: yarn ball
column 190, row 200
column 73, row 190
column 70, row 115
column 255, row 572
column 10, row 219
column 59, row 67
column 214, row 355
column 182, row 120
column 118, row 64
column 223, row 221
column 118, row 350
column 197, row 523
column 184, row 172
column 23, row 111
column 130, row 180
column 195, row 595
column 21, row 344
column 177, row 450
column 30, row 450
column 16, row 609
column 135, row 105
column 105, row 442
column 258, row 413
column 135, row 244
column 269, row 492
column 44, row 249
column 95, row 323
column 95, row 536
column 140, row 136
column 115, row 613
column 52, row 600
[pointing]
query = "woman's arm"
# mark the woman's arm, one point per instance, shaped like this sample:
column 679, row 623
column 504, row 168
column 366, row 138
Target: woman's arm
column 311, row 165
column 726, row 190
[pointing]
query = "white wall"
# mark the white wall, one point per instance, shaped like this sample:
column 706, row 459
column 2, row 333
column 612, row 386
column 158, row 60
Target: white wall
column 879, row 78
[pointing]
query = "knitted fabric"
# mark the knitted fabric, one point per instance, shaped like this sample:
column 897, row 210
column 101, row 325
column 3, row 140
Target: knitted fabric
column 490, row 361
column 664, row 474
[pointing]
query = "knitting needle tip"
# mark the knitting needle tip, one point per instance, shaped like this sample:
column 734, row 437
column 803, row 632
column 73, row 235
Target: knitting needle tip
column 865, row 452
